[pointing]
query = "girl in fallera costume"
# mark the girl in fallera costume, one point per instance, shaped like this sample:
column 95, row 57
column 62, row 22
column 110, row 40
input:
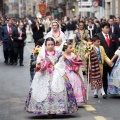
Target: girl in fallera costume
column 114, row 80
column 69, row 66
column 44, row 98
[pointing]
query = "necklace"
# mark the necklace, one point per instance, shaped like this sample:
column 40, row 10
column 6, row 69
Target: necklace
column 49, row 54
column 57, row 36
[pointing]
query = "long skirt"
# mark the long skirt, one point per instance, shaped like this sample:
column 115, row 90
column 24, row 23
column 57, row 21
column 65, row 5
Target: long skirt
column 114, row 80
column 78, row 86
column 79, row 47
column 51, row 102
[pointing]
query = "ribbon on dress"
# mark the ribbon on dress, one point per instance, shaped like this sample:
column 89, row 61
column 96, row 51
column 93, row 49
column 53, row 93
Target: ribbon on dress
column 45, row 65
column 74, row 63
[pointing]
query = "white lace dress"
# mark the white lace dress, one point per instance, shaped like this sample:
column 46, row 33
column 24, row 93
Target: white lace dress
column 43, row 100
column 29, row 34
column 114, row 80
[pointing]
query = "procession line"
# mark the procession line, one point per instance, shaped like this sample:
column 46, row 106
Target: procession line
column 89, row 108
column 99, row 118
column 28, row 49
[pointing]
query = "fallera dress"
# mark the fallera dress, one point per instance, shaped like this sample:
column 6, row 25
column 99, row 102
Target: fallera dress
column 44, row 98
column 68, row 68
column 114, row 80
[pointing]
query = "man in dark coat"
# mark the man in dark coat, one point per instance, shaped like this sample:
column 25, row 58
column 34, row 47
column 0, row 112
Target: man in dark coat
column 38, row 30
column 117, row 30
column 7, row 43
column 19, row 36
column 110, row 43
column 0, row 32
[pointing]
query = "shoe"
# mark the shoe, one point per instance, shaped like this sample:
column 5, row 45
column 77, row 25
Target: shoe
column 95, row 96
column 21, row 64
column 11, row 63
column 105, row 96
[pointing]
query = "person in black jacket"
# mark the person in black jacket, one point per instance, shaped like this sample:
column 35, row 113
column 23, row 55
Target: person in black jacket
column 7, row 43
column 38, row 30
column 110, row 43
column 71, row 25
column 0, row 32
column 98, row 28
column 63, row 26
column 112, row 25
column 117, row 30
column 19, row 35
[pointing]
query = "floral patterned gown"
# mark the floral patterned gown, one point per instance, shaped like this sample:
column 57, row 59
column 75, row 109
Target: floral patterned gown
column 42, row 99
column 79, row 46
column 76, row 79
column 114, row 80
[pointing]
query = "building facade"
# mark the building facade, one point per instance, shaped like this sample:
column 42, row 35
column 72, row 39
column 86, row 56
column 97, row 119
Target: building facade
column 17, row 8
column 112, row 7
column 60, row 8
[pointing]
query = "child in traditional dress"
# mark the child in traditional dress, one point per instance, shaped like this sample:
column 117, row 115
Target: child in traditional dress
column 43, row 98
column 97, row 57
column 70, row 66
column 33, row 58
column 114, row 79
column 74, row 72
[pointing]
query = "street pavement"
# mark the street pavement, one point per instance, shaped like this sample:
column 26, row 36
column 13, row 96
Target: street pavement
column 14, row 88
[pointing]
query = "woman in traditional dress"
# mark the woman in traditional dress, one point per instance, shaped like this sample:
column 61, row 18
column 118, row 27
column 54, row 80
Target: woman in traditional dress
column 56, row 33
column 43, row 99
column 29, row 32
column 82, row 36
column 69, row 66
column 114, row 80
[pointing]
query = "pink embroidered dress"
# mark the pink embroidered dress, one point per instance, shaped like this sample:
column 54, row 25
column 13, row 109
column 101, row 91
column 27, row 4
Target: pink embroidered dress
column 71, row 69
column 75, row 76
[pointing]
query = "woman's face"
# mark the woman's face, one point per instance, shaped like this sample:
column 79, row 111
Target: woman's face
column 55, row 26
column 90, row 24
column 60, row 22
column 86, row 22
column 81, row 26
column 97, row 24
column 50, row 46
column 69, row 49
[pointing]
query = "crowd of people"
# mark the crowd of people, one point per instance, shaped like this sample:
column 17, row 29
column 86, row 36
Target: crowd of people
column 65, row 50
column 14, row 35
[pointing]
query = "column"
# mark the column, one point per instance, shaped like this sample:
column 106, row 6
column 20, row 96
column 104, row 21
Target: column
column 118, row 8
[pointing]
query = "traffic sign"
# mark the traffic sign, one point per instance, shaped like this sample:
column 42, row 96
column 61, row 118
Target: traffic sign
column 95, row 4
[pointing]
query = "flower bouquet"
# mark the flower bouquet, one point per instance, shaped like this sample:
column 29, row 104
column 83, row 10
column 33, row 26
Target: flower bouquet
column 73, row 50
column 88, row 47
column 77, row 62
column 36, row 50
column 44, row 65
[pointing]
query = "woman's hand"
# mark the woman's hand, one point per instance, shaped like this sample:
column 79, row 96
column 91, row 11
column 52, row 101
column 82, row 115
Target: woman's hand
column 38, row 65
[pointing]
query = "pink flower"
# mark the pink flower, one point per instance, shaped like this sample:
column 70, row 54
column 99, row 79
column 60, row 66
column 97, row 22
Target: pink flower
column 110, row 86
